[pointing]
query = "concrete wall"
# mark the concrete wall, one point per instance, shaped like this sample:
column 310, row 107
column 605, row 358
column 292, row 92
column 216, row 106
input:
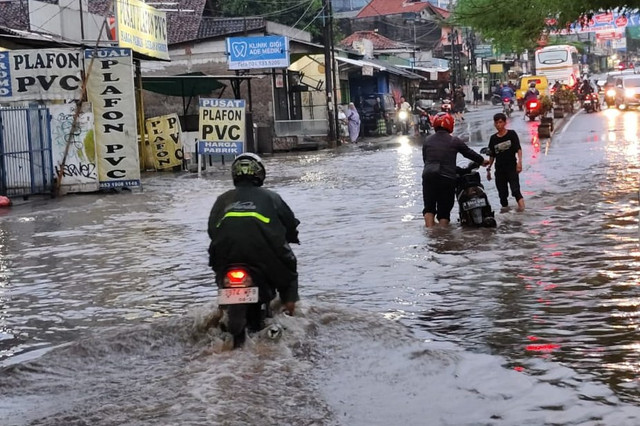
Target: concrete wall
column 64, row 20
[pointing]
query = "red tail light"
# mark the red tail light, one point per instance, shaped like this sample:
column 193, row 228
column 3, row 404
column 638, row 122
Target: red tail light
column 506, row 100
column 236, row 277
column 533, row 105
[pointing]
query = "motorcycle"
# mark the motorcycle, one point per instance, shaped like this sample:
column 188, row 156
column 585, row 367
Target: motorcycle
column 446, row 105
column 473, row 204
column 591, row 103
column 532, row 109
column 244, row 298
column 507, row 108
column 424, row 122
column 496, row 99
column 403, row 121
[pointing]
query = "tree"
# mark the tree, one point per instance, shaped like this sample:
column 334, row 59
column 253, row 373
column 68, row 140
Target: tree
column 515, row 25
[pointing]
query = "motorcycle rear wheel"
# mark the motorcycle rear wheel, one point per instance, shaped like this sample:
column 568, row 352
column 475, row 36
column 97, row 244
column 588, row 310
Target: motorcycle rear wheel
column 237, row 323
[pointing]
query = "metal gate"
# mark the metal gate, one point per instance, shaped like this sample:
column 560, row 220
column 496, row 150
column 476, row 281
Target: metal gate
column 26, row 165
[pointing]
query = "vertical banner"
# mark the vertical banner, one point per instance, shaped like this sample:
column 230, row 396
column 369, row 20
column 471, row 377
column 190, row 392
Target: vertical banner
column 165, row 137
column 221, row 126
column 79, row 173
column 110, row 90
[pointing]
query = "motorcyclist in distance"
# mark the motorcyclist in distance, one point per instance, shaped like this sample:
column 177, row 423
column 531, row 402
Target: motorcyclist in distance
column 532, row 92
column 586, row 88
column 254, row 226
column 507, row 92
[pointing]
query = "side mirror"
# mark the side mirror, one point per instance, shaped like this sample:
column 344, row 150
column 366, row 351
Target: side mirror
column 484, row 151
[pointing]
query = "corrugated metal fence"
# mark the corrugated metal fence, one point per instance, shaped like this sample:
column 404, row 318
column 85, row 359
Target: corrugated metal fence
column 25, row 151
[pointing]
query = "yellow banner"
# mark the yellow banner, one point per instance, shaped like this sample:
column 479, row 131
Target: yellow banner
column 496, row 68
column 111, row 91
column 165, row 136
column 142, row 28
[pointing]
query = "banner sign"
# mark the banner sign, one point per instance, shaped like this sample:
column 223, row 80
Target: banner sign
column 604, row 21
column 258, row 52
column 40, row 74
column 80, row 171
column 142, row 28
column 110, row 89
column 165, row 137
column 221, row 126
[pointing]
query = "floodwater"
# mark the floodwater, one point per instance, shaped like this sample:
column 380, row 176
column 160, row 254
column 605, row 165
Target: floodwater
column 104, row 298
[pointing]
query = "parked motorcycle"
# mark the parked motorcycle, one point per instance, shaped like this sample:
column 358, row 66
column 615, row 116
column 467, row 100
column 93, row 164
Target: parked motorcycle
column 507, row 107
column 473, row 204
column 532, row 109
column 591, row 102
column 244, row 298
column 496, row 99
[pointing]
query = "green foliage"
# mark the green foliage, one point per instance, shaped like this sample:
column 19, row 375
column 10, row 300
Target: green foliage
column 546, row 104
column 565, row 96
column 515, row 25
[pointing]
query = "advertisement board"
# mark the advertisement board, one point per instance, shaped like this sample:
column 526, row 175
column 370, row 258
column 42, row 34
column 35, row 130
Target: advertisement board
column 41, row 74
column 142, row 28
column 258, row 52
column 221, row 126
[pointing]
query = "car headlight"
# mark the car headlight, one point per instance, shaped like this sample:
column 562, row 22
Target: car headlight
column 611, row 93
column 629, row 93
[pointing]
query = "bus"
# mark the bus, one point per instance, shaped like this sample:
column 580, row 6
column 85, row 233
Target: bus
column 558, row 63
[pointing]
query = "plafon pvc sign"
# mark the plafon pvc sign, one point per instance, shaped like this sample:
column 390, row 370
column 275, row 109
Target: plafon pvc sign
column 258, row 52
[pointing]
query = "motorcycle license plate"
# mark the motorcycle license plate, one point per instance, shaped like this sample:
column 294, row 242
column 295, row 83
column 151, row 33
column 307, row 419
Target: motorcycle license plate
column 235, row 296
column 474, row 203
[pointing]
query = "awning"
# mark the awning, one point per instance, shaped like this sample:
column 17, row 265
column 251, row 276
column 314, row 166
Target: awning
column 381, row 66
column 188, row 86
column 184, row 85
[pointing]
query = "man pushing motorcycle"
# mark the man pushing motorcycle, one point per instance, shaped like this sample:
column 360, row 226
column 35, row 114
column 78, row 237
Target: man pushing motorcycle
column 252, row 225
column 439, row 152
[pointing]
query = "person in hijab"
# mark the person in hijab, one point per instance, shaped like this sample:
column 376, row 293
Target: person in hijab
column 353, row 118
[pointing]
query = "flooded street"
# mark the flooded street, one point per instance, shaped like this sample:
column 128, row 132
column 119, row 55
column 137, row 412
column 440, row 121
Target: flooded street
column 104, row 297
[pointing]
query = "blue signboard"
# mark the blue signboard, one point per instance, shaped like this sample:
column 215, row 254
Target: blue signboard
column 220, row 148
column 258, row 52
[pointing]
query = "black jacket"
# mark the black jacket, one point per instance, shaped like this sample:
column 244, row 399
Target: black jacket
column 439, row 152
column 253, row 225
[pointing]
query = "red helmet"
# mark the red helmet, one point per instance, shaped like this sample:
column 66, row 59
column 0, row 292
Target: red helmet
column 444, row 120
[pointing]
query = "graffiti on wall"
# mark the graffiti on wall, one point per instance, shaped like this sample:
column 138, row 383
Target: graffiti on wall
column 79, row 166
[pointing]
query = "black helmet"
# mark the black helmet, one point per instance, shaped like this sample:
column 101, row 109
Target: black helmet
column 249, row 167
column 532, row 85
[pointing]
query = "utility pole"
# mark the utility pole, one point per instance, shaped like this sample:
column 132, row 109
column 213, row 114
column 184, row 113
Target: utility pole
column 328, row 71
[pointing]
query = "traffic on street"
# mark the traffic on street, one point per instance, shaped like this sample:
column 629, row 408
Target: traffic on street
column 105, row 298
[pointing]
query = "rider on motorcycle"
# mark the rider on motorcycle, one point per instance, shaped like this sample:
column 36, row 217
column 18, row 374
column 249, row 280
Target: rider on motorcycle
column 585, row 89
column 532, row 93
column 439, row 153
column 507, row 92
column 254, row 226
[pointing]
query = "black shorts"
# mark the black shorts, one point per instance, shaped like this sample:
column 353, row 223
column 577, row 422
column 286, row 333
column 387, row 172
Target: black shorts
column 438, row 195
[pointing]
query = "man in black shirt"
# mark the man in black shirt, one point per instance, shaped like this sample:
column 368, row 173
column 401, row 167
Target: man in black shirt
column 505, row 150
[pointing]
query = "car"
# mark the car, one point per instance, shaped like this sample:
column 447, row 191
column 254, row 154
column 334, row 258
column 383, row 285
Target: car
column 608, row 85
column 627, row 91
column 374, row 107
